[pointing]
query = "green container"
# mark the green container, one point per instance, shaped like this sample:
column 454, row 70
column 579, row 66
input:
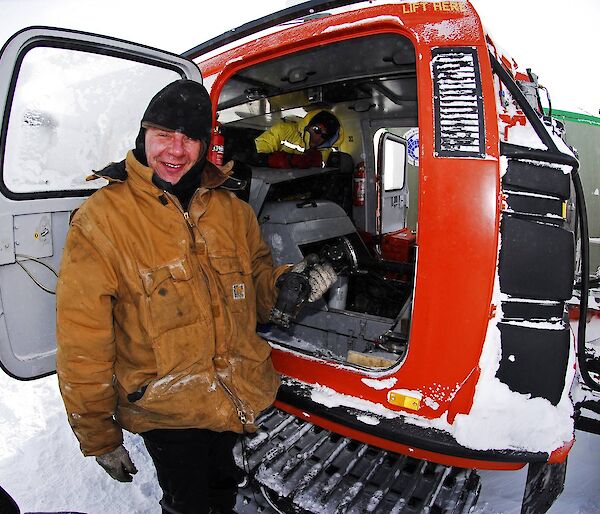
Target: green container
column 583, row 133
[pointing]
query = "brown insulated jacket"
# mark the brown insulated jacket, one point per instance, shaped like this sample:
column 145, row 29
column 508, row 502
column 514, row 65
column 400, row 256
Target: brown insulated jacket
column 157, row 311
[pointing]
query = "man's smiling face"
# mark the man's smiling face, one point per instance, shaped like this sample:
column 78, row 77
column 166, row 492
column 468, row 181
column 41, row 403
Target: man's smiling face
column 171, row 154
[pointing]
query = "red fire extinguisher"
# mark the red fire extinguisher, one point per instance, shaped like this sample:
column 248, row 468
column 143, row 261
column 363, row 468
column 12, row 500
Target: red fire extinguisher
column 358, row 193
column 217, row 146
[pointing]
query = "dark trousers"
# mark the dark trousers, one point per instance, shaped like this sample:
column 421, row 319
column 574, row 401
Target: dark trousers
column 195, row 469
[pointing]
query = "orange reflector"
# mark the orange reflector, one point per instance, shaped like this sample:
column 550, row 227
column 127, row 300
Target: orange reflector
column 403, row 398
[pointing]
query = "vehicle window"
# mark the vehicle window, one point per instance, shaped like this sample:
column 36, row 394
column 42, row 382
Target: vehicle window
column 393, row 159
column 73, row 112
column 394, row 162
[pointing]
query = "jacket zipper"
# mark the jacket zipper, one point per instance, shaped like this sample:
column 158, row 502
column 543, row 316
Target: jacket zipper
column 239, row 407
column 186, row 214
column 187, row 218
column 237, row 403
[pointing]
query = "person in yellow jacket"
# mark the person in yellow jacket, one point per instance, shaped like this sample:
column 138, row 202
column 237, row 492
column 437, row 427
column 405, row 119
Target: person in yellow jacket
column 303, row 144
column 163, row 278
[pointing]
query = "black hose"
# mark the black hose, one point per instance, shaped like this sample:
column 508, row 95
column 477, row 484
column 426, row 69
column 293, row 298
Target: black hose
column 585, row 281
column 549, row 102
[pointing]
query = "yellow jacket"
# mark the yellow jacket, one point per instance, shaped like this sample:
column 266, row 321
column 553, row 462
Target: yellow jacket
column 156, row 315
column 290, row 137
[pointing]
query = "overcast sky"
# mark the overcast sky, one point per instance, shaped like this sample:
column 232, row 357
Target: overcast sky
column 557, row 39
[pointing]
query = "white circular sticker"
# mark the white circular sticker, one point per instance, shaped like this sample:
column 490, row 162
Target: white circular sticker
column 412, row 144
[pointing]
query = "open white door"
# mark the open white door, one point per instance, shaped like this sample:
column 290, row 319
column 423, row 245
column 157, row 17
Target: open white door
column 71, row 103
column 391, row 158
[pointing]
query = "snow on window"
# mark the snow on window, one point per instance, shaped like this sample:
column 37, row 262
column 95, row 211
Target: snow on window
column 73, row 112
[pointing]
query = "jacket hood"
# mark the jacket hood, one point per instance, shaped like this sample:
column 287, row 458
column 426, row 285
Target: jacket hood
column 305, row 122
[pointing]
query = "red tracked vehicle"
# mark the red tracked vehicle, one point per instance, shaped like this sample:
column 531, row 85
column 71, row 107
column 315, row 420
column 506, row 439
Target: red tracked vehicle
column 463, row 356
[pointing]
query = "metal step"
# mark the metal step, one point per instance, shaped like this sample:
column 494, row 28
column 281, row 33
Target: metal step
column 295, row 467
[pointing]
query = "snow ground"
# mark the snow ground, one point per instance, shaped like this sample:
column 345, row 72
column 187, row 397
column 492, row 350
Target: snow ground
column 42, row 468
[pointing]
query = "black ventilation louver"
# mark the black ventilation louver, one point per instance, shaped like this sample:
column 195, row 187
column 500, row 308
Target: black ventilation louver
column 457, row 103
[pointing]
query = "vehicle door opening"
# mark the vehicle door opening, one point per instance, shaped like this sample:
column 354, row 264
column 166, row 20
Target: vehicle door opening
column 365, row 319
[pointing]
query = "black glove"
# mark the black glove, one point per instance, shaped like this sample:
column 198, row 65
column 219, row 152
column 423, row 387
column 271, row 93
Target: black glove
column 118, row 464
column 320, row 276
column 307, row 281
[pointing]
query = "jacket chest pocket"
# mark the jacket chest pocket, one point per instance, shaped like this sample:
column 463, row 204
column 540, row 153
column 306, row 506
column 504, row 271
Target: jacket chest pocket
column 169, row 297
column 235, row 281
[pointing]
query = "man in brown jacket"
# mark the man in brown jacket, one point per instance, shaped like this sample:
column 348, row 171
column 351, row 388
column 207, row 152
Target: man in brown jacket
column 163, row 279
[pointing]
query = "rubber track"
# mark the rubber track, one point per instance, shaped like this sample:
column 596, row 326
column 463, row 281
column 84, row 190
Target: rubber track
column 298, row 468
